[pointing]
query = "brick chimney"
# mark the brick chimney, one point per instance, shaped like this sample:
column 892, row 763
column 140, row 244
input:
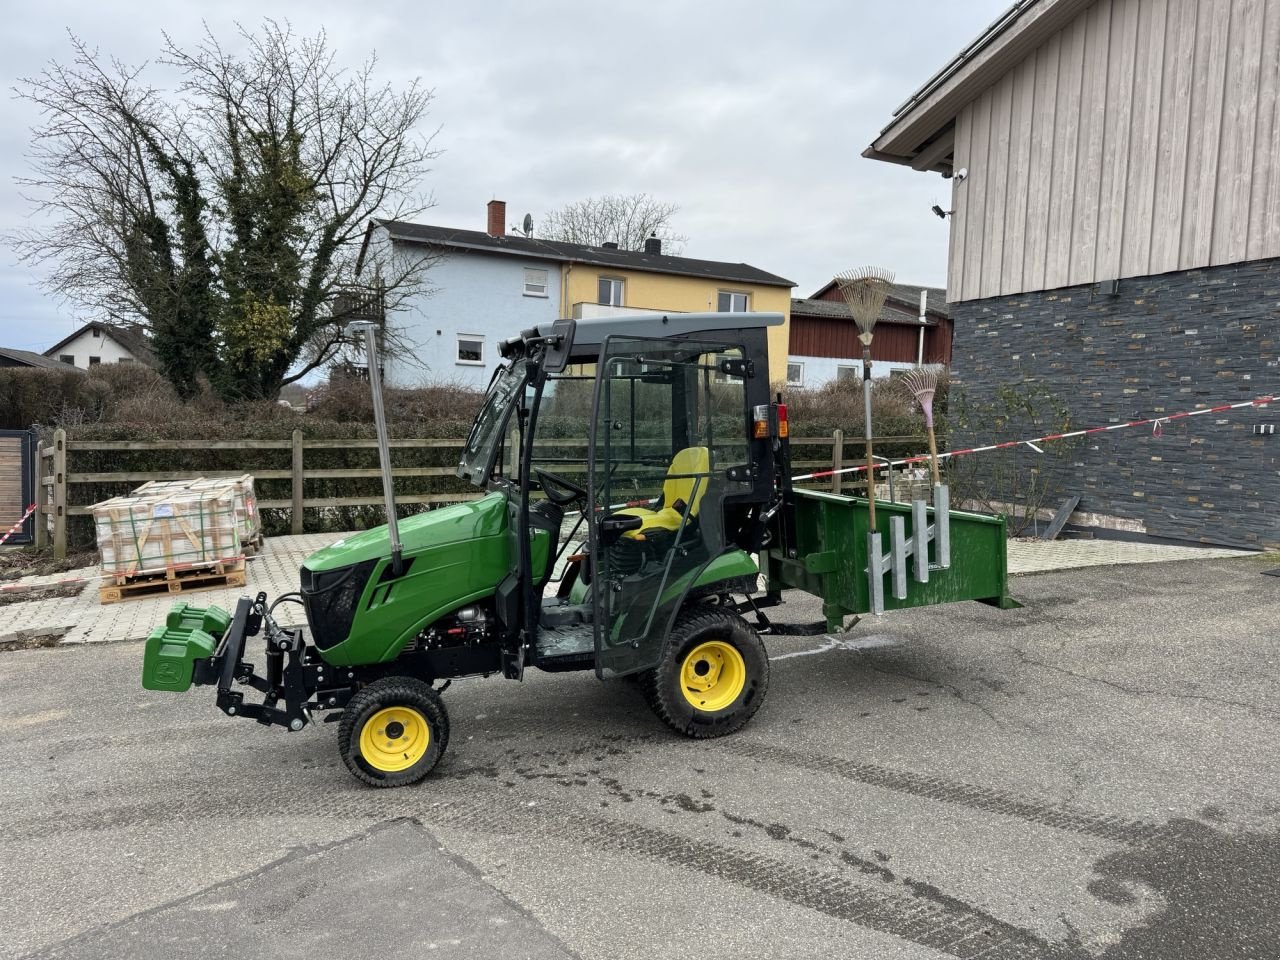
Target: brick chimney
column 653, row 245
column 497, row 218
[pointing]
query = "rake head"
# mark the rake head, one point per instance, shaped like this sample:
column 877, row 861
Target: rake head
column 922, row 382
column 864, row 290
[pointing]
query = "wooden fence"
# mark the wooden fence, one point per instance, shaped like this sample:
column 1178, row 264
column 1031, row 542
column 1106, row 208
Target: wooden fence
column 57, row 478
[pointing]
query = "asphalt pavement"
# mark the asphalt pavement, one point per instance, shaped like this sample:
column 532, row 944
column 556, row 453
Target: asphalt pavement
column 1094, row 775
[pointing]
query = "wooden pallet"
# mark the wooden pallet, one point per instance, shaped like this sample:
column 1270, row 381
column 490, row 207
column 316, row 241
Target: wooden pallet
column 226, row 574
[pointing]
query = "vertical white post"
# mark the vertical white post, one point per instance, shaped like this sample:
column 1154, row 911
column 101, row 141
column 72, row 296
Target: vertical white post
column 942, row 524
column 898, row 555
column 920, row 540
column 875, row 573
column 924, row 300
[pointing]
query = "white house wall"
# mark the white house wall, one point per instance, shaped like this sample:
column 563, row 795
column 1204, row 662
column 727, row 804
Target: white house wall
column 471, row 293
column 1142, row 138
column 819, row 371
column 87, row 346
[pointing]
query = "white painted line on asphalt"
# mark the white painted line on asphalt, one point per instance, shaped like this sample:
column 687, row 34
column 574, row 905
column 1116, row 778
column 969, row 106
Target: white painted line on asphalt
column 834, row 643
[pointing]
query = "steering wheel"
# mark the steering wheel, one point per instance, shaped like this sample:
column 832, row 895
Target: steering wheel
column 559, row 491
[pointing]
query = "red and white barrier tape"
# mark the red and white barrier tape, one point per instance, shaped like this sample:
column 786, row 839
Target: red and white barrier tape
column 18, row 526
column 1157, row 424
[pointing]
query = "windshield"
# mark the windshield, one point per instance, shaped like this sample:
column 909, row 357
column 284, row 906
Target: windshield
column 486, row 432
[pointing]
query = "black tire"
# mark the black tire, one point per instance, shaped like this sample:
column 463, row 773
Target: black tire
column 410, row 705
column 701, row 628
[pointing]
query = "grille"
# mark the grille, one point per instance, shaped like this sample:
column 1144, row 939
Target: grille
column 330, row 598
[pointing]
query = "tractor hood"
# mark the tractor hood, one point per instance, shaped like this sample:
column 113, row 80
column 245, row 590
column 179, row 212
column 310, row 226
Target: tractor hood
column 459, row 522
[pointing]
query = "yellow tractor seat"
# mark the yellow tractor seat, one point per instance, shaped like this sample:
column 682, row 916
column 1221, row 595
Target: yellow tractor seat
column 681, row 493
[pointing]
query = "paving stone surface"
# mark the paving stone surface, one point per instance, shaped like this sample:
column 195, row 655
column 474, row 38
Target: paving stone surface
column 1038, row 556
column 275, row 571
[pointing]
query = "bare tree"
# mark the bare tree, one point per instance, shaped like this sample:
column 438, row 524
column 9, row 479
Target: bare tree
column 625, row 220
column 227, row 215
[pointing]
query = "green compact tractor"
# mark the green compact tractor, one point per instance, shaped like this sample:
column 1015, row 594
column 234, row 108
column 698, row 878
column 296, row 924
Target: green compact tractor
column 636, row 486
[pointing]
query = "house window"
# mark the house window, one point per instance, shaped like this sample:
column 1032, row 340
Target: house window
column 470, row 349
column 535, row 282
column 94, row 361
column 67, row 358
column 795, row 374
column 847, row 373
column 610, row 291
column 730, row 302
column 96, row 333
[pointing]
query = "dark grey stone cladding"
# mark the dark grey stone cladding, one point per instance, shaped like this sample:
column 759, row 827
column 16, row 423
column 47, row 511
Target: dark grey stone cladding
column 1163, row 344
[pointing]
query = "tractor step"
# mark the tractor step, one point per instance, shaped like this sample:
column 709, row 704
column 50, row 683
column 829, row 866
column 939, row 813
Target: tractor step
column 568, row 641
column 224, row 574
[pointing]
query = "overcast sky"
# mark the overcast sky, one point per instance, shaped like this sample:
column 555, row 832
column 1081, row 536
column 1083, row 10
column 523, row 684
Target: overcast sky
column 750, row 116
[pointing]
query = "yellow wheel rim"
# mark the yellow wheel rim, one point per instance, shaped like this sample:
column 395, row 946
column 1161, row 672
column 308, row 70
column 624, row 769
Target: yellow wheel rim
column 394, row 739
column 712, row 675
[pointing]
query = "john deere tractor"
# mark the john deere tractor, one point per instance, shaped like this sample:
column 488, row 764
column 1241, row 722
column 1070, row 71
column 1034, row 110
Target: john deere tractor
column 632, row 469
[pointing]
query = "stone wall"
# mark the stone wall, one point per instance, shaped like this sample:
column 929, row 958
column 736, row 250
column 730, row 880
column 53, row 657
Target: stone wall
column 1162, row 344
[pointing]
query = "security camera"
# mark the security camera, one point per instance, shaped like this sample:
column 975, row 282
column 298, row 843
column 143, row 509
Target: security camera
column 960, row 174
column 940, row 213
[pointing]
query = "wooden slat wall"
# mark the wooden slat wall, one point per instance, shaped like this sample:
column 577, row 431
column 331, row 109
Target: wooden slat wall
column 1143, row 137
column 1264, row 201
column 830, row 337
column 11, row 505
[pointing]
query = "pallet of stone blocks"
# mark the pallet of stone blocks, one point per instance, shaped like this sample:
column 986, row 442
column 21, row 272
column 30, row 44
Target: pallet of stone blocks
column 250, row 527
column 169, row 541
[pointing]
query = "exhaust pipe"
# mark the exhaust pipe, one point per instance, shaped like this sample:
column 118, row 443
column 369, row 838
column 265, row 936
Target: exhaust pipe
column 370, row 331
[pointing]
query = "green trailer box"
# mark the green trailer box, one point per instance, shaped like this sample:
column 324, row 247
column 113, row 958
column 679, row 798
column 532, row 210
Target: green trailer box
column 830, row 557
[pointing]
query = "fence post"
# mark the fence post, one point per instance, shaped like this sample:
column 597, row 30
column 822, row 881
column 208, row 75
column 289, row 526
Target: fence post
column 296, row 513
column 837, row 459
column 60, row 494
column 40, row 530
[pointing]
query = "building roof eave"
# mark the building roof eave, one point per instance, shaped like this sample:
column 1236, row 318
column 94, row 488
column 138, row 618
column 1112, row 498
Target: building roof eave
column 1000, row 47
column 559, row 252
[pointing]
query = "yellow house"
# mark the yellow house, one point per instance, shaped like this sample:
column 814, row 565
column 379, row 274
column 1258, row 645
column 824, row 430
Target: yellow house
column 489, row 284
column 652, row 281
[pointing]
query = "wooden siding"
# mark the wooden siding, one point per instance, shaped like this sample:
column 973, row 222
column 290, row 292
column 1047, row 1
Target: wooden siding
column 838, row 338
column 1143, row 137
column 11, row 505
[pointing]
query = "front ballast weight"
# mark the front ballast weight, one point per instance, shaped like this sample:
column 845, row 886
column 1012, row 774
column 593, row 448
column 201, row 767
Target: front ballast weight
column 205, row 647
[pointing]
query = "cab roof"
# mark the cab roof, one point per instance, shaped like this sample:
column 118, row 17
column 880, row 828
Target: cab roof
column 582, row 339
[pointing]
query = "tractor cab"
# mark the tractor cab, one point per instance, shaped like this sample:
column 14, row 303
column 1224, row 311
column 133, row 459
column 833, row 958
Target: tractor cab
column 639, row 466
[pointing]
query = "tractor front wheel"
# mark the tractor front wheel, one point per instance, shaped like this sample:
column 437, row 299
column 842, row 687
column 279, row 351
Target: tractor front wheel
column 393, row 732
column 713, row 675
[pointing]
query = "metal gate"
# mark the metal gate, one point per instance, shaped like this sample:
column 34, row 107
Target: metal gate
column 17, row 483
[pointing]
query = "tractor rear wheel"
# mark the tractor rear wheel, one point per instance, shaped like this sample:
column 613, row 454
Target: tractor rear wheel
column 713, row 675
column 393, row 732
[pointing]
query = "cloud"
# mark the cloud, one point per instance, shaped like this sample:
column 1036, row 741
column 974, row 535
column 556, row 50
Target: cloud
column 750, row 116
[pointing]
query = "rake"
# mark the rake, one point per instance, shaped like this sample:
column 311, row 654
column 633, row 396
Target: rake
column 922, row 382
column 864, row 290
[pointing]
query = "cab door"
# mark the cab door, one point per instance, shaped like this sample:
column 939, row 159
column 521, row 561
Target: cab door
column 670, row 419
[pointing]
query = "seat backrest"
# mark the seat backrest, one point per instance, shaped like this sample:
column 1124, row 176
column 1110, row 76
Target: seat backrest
column 689, row 460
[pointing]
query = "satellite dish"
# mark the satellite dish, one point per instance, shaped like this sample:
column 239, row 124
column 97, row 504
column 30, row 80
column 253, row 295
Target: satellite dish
column 527, row 225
